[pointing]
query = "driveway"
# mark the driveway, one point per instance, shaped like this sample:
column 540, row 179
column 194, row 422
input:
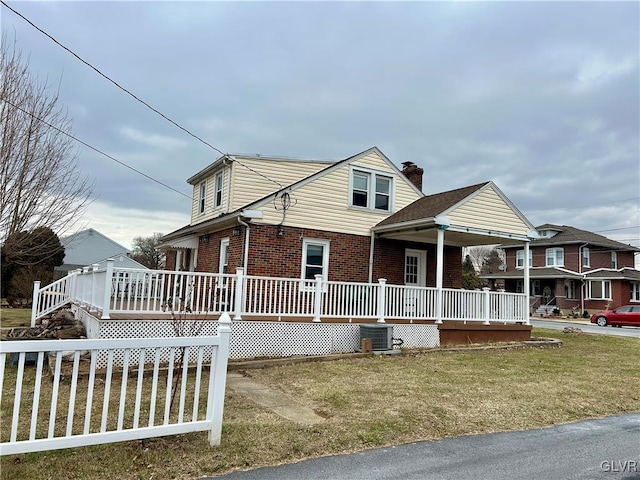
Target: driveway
column 607, row 448
column 588, row 327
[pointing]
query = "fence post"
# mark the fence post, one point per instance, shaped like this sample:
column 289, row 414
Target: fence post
column 35, row 302
column 94, row 269
column 84, row 301
column 486, row 306
column 382, row 292
column 108, row 281
column 317, row 299
column 216, row 397
column 239, row 300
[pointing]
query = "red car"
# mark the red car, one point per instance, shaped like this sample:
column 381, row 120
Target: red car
column 626, row 315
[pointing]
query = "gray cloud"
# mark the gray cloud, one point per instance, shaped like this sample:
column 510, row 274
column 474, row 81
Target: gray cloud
column 541, row 97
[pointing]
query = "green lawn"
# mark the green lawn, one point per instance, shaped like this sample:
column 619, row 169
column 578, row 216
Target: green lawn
column 14, row 317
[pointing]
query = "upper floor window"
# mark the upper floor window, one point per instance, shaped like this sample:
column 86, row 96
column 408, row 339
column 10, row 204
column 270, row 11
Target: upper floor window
column 555, row 257
column 371, row 190
column 218, row 194
column 586, row 259
column 203, row 195
column 520, row 258
column 614, row 260
column 315, row 258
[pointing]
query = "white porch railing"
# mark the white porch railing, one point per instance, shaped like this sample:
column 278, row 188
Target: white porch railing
column 179, row 400
column 121, row 290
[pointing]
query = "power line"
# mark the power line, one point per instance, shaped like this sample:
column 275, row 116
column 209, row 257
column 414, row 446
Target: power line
column 155, row 110
column 96, row 149
column 616, row 229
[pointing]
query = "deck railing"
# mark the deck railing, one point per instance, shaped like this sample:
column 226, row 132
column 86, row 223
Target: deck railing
column 71, row 407
column 124, row 290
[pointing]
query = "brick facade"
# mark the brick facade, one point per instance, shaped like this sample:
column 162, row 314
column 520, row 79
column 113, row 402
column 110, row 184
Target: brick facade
column 274, row 255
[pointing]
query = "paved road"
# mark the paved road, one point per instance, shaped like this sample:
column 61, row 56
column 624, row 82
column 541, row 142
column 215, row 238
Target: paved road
column 588, row 327
column 606, row 448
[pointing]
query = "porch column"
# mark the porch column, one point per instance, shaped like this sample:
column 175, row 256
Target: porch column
column 108, row 283
column 439, row 273
column 527, row 288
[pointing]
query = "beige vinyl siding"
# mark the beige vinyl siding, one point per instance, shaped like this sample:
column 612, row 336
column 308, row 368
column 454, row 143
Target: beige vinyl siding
column 324, row 203
column 209, row 211
column 249, row 186
column 489, row 211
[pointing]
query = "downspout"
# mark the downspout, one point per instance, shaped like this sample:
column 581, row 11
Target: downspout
column 583, row 284
column 246, row 244
column 371, row 245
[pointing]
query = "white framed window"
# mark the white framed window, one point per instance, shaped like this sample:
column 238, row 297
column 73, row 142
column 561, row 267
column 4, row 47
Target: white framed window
column 520, row 258
column 599, row 289
column 217, row 198
column 614, row 260
column 586, row 257
column 371, row 190
column 555, row 257
column 223, row 265
column 203, row 196
column 315, row 258
column 520, row 286
column 635, row 292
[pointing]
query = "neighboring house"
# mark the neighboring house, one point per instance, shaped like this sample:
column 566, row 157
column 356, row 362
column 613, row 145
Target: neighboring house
column 572, row 269
column 356, row 220
column 89, row 247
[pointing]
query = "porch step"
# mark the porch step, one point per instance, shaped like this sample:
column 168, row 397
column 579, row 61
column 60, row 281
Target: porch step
column 545, row 310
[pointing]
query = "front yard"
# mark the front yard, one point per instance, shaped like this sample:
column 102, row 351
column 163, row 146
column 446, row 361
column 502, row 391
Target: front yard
column 377, row 401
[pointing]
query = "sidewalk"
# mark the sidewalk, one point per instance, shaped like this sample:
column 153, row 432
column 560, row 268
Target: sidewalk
column 581, row 321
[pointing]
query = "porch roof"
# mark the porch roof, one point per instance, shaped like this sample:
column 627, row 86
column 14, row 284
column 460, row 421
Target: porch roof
column 535, row 272
column 475, row 215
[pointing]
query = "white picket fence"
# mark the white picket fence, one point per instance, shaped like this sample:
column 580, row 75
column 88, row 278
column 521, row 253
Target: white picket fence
column 82, row 405
column 121, row 290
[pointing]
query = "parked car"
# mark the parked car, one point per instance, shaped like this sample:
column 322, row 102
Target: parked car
column 625, row 315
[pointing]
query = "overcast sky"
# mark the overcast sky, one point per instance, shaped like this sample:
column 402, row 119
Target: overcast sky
column 540, row 97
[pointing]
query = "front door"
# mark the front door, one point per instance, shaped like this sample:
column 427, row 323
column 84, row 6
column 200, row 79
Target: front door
column 415, row 275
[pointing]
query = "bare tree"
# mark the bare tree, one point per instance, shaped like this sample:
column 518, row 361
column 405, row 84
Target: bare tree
column 40, row 182
column 145, row 251
column 478, row 255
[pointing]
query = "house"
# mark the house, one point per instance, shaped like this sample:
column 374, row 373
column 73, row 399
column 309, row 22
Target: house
column 355, row 220
column 572, row 270
column 89, row 247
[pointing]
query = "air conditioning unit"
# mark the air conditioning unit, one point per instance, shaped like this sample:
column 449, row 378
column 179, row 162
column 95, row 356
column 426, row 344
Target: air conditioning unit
column 380, row 335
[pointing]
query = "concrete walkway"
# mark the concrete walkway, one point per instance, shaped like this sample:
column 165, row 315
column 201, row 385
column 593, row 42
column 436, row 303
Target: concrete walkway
column 274, row 400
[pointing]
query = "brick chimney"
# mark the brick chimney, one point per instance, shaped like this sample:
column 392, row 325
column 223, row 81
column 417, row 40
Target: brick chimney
column 413, row 173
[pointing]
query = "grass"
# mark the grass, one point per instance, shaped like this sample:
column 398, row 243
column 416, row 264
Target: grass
column 376, row 401
column 14, row 317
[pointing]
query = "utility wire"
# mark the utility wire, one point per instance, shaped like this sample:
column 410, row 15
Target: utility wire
column 155, row 110
column 96, row 149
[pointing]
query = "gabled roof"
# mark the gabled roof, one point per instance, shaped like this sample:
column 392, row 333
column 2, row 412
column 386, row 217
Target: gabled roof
column 198, row 227
column 88, row 246
column 571, row 235
column 431, row 206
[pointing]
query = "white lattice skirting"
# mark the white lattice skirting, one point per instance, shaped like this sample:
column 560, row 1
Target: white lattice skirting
column 253, row 339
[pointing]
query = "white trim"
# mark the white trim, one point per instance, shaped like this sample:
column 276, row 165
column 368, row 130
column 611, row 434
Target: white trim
column 422, row 266
column 372, row 176
column 202, row 197
column 224, row 247
column 602, row 287
column 555, row 251
column 218, row 179
column 325, row 257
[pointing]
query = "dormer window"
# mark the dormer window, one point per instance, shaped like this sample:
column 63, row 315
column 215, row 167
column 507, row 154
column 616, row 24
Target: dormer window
column 371, row 190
